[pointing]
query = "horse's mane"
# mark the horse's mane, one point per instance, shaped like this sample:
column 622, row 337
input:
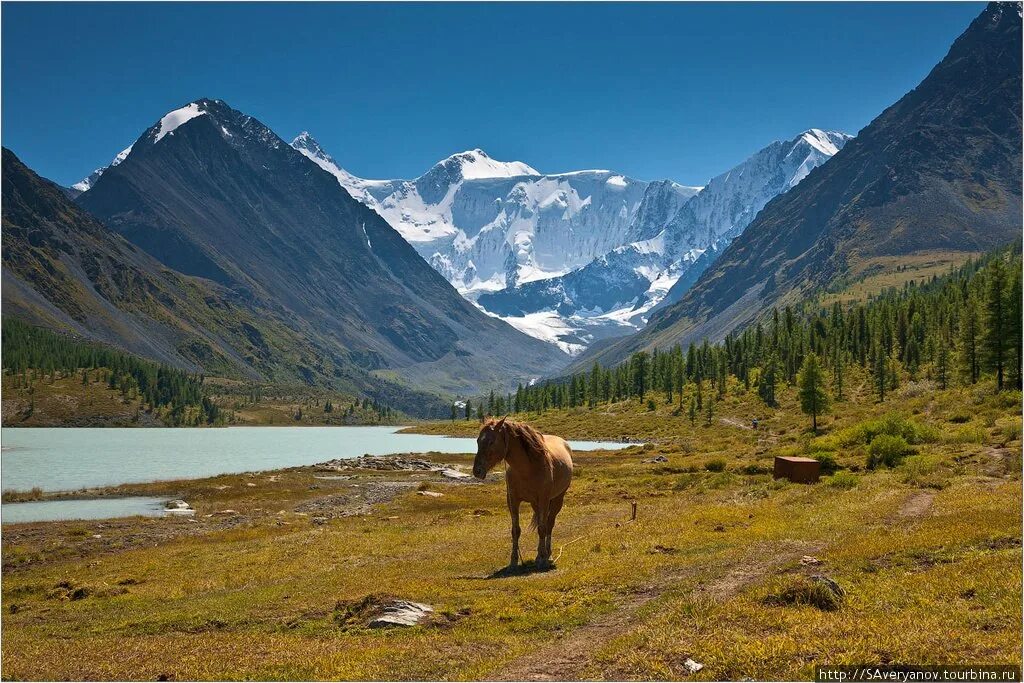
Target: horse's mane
column 531, row 440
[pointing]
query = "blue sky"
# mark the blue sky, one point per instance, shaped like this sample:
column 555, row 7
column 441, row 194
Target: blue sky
column 681, row 91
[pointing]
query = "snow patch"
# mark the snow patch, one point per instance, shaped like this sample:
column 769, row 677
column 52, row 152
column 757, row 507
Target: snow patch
column 85, row 184
column 173, row 120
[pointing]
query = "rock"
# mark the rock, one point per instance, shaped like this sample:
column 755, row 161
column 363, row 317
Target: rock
column 830, row 584
column 178, row 507
column 226, row 513
column 454, row 474
column 319, row 521
column 692, row 666
column 249, row 483
column 432, row 494
column 809, row 561
column 400, row 613
column 657, row 458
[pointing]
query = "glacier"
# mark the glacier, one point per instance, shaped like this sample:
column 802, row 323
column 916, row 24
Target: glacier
column 574, row 257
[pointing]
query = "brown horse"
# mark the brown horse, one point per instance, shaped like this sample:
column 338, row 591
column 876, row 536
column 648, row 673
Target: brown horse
column 538, row 471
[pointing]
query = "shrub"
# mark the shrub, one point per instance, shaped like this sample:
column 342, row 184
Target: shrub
column 651, row 406
column 887, row 450
column 968, row 434
column 803, row 591
column 844, row 480
column 715, row 465
column 924, row 471
column 1010, row 429
column 829, row 465
column 891, row 424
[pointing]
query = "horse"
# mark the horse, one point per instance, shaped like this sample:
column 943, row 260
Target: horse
column 538, row 472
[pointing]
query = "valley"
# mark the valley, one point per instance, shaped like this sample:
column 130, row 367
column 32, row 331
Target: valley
column 260, row 583
column 268, row 406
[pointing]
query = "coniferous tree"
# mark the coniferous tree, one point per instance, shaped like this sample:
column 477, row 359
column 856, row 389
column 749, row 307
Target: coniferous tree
column 969, row 358
column 639, row 369
column 814, row 398
column 768, row 380
column 942, row 367
column 995, row 337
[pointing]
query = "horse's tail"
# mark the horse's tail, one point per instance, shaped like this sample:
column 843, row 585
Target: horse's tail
column 535, row 522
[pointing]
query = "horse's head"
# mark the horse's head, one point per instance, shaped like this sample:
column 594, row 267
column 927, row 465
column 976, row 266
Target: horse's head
column 491, row 447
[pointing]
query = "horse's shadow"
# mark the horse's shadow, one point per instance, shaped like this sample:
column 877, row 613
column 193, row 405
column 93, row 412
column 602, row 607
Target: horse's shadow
column 522, row 569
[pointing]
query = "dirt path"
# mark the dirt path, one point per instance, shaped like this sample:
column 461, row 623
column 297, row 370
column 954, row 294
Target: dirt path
column 916, row 505
column 733, row 422
column 568, row 657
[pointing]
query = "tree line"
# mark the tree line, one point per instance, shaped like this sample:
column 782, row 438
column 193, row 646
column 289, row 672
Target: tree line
column 32, row 354
column 960, row 328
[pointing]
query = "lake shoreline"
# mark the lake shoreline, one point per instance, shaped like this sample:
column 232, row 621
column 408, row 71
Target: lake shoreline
column 84, row 460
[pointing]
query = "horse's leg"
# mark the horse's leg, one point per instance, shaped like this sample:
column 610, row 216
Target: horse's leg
column 513, row 510
column 553, row 510
column 540, row 511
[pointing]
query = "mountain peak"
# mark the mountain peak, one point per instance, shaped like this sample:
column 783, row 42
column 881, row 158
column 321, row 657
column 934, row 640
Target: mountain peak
column 825, row 141
column 308, row 145
column 475, row 163
column 86, row 183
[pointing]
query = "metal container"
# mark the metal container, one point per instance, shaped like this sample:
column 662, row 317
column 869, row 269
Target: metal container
column 799, row 470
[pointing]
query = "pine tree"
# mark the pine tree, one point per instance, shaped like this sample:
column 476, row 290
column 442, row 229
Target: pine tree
column 969, row 360
column 814, row 399
column 879, row 372
column 768, row 380
column 995, row 338
column 469, row 409
column 709, row 411
column 942, row 367
column 693, row 412
column 639, row 364
column 837, row 373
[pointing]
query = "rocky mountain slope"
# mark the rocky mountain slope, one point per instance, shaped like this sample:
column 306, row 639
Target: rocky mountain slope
column 939, row 170
column 213, row 193
column 675, row 240
column 66, row 271
column 577, row 256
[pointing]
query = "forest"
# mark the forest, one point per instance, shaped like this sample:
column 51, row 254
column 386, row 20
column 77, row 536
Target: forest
column 961, row 328
column 32, row 354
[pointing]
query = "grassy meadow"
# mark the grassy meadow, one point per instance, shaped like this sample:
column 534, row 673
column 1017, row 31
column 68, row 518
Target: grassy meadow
column 716, row 568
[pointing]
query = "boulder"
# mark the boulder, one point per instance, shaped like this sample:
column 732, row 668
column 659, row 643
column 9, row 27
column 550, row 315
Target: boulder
column 399, row 613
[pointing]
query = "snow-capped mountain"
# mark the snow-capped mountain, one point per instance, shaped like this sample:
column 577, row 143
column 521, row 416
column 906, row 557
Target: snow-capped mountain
column 574, row 257
column 487, row 224
column 85, row 183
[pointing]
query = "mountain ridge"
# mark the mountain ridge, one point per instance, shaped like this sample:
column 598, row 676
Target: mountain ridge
column 937, row 170
column 213, row 193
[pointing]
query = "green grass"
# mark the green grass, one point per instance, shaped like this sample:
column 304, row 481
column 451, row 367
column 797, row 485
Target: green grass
column 712, row 569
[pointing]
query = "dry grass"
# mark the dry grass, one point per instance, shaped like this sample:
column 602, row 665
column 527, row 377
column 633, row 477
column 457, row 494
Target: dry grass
column 693, row 577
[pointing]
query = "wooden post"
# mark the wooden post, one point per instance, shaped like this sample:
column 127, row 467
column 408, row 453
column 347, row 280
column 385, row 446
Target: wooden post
column 633, row 518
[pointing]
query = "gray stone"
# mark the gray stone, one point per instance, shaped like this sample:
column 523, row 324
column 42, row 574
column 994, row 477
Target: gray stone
column 830, row 584
column 692, row 666
column 400, row 613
